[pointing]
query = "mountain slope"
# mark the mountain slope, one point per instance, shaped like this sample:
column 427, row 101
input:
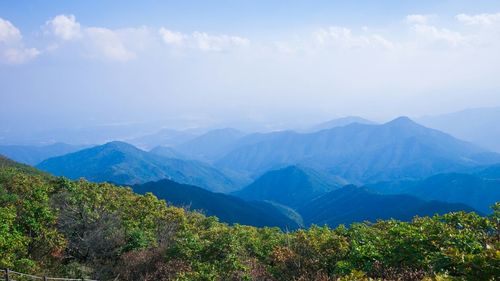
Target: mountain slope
column 472, row 190
column 291, row 186
column 366, row 153
column 227, row 208
column 489, row 172
column 32, row 155
column 123, row 163
column 168, row 152
column 354, row 204
column 477, row 125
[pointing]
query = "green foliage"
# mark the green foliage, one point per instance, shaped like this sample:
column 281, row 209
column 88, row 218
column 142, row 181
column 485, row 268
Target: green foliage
column 81, row 229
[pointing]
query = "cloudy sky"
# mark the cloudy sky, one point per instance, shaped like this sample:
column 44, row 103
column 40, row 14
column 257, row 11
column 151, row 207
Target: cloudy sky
column 67, row 64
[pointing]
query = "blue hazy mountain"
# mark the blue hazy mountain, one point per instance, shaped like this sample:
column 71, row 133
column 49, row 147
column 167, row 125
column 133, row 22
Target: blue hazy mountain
column 339, row 122
column 211, row 145
column 123, row 163
column 477, row 125
column 398, row 149
column 32, row 155
column 290, row 186
column 168, row 152
column 489, row 172
column 355, row 204
column 477, row 192
column 227, row 208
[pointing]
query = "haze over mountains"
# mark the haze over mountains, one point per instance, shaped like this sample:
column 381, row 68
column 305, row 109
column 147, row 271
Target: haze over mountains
column 32, row 155
column 477, row 125
column 338, row 172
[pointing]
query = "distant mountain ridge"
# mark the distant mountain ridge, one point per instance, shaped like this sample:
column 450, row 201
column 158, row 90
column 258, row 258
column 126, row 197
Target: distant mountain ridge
column 397, row 149
column 477, row 125
column 339, row 122
column 32, row 155
column 123, row 163
column 355, row 204
column 211, row 145
column 477, row 192
column 227, row 208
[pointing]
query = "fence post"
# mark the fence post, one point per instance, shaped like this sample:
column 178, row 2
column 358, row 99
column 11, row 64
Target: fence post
column 7, row 274
column 45, row 278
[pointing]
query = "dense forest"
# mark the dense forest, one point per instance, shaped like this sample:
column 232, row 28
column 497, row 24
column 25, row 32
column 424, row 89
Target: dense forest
column 54, row 226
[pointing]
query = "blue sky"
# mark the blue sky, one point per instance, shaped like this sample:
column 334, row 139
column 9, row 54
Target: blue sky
column 217, row 63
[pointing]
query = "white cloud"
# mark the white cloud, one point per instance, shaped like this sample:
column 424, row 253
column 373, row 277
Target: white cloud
column 106, row 43
column 65, row 27
column 480, row 19
column 98, row 42
column 433, row 33
column 20, row 55
column 8, row 32
column 343, row 37
column 12, row 49
column 202, row 40
column 208, row 42
column 416, row 18
column 171, row 37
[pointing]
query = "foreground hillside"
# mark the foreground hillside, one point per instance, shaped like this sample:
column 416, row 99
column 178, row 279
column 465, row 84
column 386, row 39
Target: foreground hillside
column 55, row 226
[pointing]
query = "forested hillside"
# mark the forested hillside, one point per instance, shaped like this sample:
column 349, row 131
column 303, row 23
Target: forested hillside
column 59, row 227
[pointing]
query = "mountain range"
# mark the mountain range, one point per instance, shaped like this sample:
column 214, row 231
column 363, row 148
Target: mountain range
column 123, row 163
column 398, row 149
column 290, row 179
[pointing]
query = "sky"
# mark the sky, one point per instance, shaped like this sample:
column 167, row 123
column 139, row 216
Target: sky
column 179, row 64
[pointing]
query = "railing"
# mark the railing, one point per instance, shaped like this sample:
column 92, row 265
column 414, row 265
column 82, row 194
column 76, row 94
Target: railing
column 10, row 275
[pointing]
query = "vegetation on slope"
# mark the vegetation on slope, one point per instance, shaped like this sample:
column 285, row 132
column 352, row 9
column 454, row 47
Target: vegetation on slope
column 227, row 208
column 76, row 228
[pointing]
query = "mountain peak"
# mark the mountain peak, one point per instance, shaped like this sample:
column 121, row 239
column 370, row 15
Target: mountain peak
column 290, row 186
column 402, row 121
